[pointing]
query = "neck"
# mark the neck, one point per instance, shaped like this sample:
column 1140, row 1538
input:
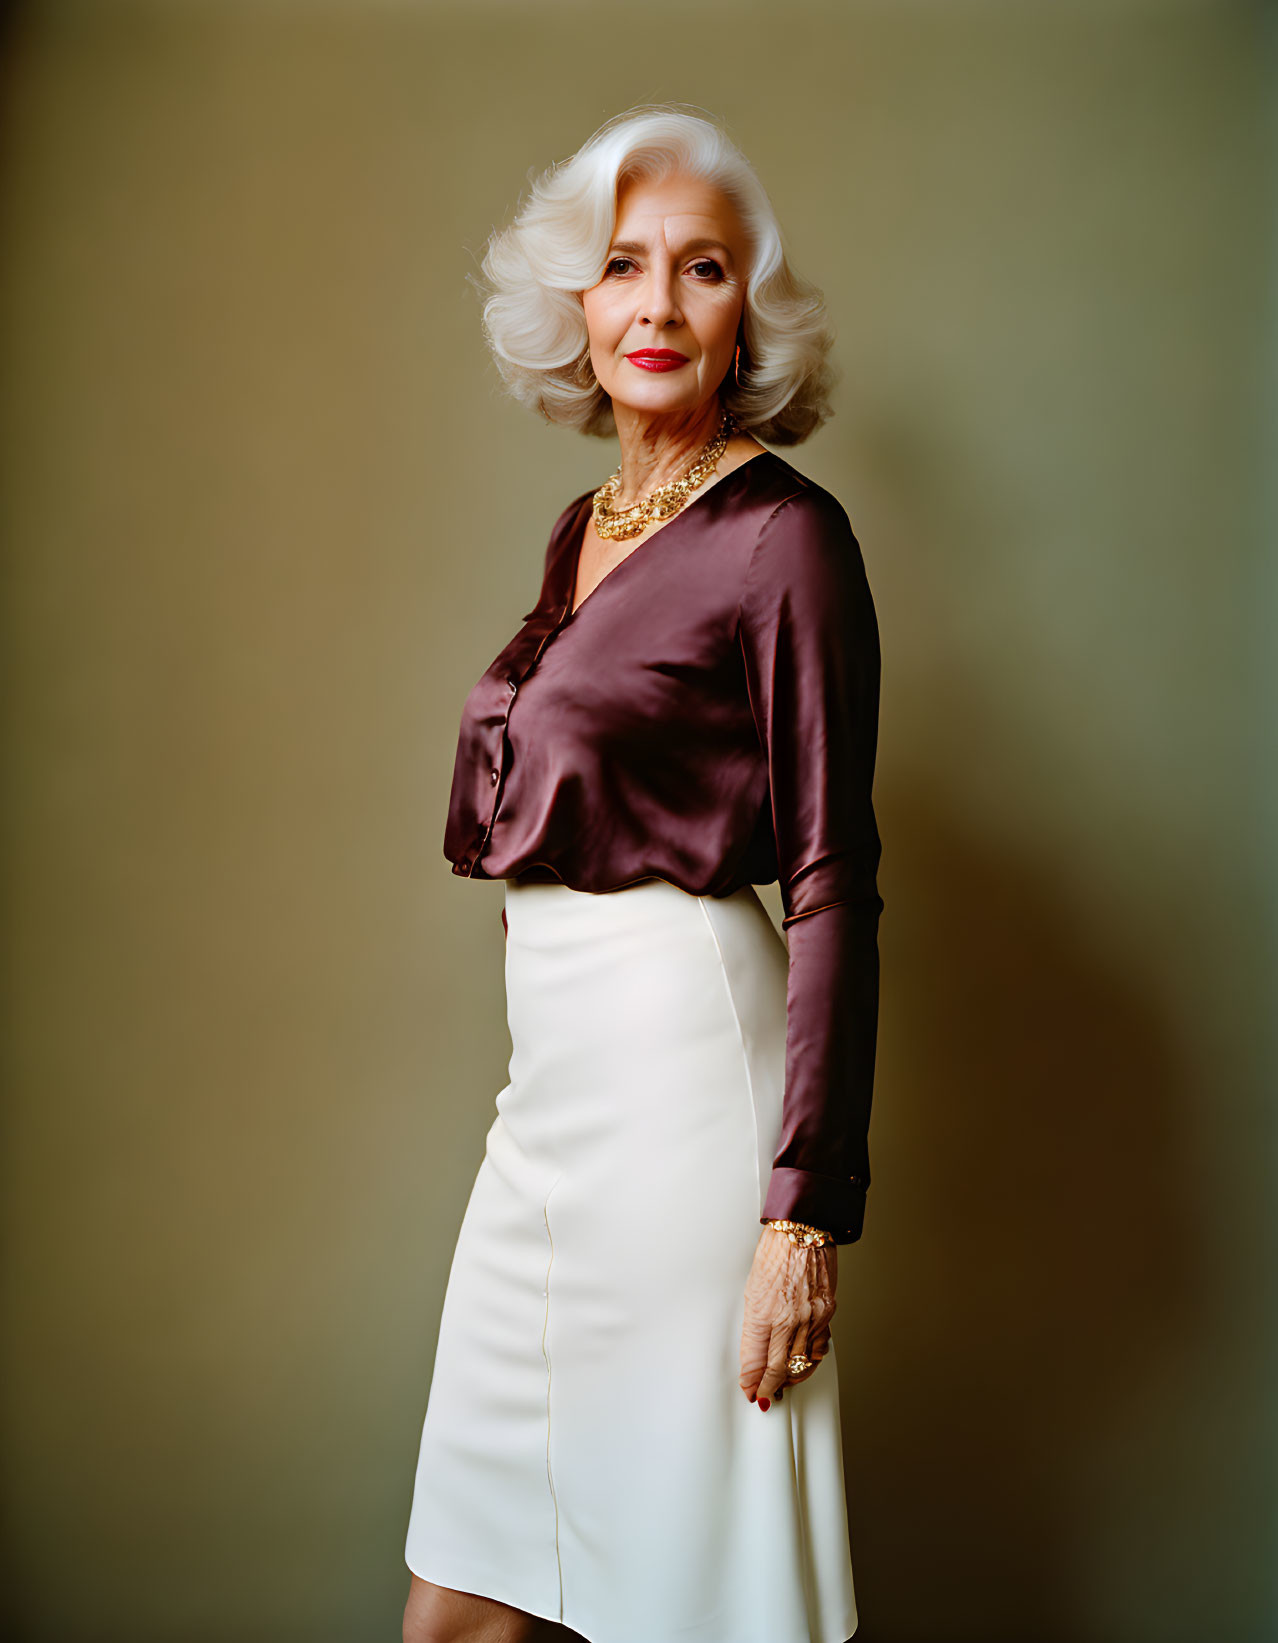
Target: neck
column 655, row 450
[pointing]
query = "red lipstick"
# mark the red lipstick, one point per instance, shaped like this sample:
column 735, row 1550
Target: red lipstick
column 657, row 359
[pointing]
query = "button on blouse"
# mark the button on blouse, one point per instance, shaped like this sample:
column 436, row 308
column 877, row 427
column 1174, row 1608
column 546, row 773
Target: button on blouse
column 708, row 715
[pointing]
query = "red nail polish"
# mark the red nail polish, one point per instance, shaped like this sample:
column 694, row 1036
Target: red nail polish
column 753, row 1395
column 764, row 1404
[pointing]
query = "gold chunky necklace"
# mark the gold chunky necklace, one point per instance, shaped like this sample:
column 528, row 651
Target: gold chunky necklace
column 666, row 499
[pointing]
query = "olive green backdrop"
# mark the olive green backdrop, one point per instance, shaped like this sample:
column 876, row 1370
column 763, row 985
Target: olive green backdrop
column 268, row 515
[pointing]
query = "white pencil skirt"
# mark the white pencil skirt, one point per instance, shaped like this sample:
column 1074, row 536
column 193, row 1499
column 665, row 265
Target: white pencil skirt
column 588, row 1455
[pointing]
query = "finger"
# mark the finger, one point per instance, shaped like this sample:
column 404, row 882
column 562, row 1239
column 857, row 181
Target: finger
column 755, row 1340
column 819, row 1346
column 817, row 1349
column 811, row 1340
column 807, row 1374
column 774, row 1376
column 799, row 1347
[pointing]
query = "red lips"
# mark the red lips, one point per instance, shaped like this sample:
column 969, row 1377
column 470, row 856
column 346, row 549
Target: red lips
column 657, row 359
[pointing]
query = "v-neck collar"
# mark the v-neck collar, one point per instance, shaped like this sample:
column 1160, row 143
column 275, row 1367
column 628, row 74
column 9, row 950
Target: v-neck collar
column 578, row 534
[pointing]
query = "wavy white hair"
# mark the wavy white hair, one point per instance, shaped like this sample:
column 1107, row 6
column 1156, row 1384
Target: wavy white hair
column 538, row 266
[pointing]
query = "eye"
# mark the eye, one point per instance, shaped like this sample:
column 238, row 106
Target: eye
column 715, row 272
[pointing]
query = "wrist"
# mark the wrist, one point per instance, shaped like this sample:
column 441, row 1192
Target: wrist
column 799, row 1232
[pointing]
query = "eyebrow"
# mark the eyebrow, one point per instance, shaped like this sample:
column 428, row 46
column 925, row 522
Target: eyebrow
column 632, row 247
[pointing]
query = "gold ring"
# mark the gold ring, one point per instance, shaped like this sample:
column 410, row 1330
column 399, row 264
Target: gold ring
column 798, row 1364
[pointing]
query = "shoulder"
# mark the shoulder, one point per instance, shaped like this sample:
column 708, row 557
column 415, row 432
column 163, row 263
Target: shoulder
column 555, row 560
column 805, row 542
column 565, row 520
column 562, row 529
column 799, row 507
column 563, row 525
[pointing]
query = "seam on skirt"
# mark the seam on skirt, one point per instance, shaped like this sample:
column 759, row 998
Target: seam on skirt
column 745, row 1055
column 550, row 1477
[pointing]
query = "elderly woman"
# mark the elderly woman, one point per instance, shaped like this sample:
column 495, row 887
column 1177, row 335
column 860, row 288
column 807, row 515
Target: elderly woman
column 633, row 1423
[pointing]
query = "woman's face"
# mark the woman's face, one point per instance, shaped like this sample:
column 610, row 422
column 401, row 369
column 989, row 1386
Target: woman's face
column 674, row 280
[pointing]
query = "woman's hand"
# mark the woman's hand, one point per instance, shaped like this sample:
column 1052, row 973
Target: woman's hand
column 789, row 1301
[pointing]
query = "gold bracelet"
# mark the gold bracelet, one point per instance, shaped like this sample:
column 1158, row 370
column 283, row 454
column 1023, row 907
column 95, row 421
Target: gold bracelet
column 800, row 1233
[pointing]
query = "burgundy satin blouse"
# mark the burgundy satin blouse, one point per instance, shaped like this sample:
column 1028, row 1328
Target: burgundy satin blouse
column 709, row 715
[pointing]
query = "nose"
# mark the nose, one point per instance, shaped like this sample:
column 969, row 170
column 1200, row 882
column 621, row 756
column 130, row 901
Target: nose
column 659, row 298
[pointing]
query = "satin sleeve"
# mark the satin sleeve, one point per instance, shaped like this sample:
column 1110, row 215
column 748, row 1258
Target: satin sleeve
column 810, row 642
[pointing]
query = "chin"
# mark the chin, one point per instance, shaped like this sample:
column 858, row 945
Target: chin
column 662, row 407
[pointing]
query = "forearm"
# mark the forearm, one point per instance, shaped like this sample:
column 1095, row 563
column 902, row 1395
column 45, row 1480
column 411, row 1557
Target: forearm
column 821, row 1167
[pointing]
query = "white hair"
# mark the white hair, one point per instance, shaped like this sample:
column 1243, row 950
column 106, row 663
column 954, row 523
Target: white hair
column 538, row 266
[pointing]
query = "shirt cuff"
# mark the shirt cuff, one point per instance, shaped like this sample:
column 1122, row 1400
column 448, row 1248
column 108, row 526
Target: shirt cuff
column 834, row 1203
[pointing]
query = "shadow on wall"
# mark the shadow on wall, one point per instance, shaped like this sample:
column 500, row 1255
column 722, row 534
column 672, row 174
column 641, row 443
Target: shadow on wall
column 1045, row 1293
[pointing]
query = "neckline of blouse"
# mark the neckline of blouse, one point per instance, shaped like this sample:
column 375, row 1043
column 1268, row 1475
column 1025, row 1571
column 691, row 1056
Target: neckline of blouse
column 577, row 536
